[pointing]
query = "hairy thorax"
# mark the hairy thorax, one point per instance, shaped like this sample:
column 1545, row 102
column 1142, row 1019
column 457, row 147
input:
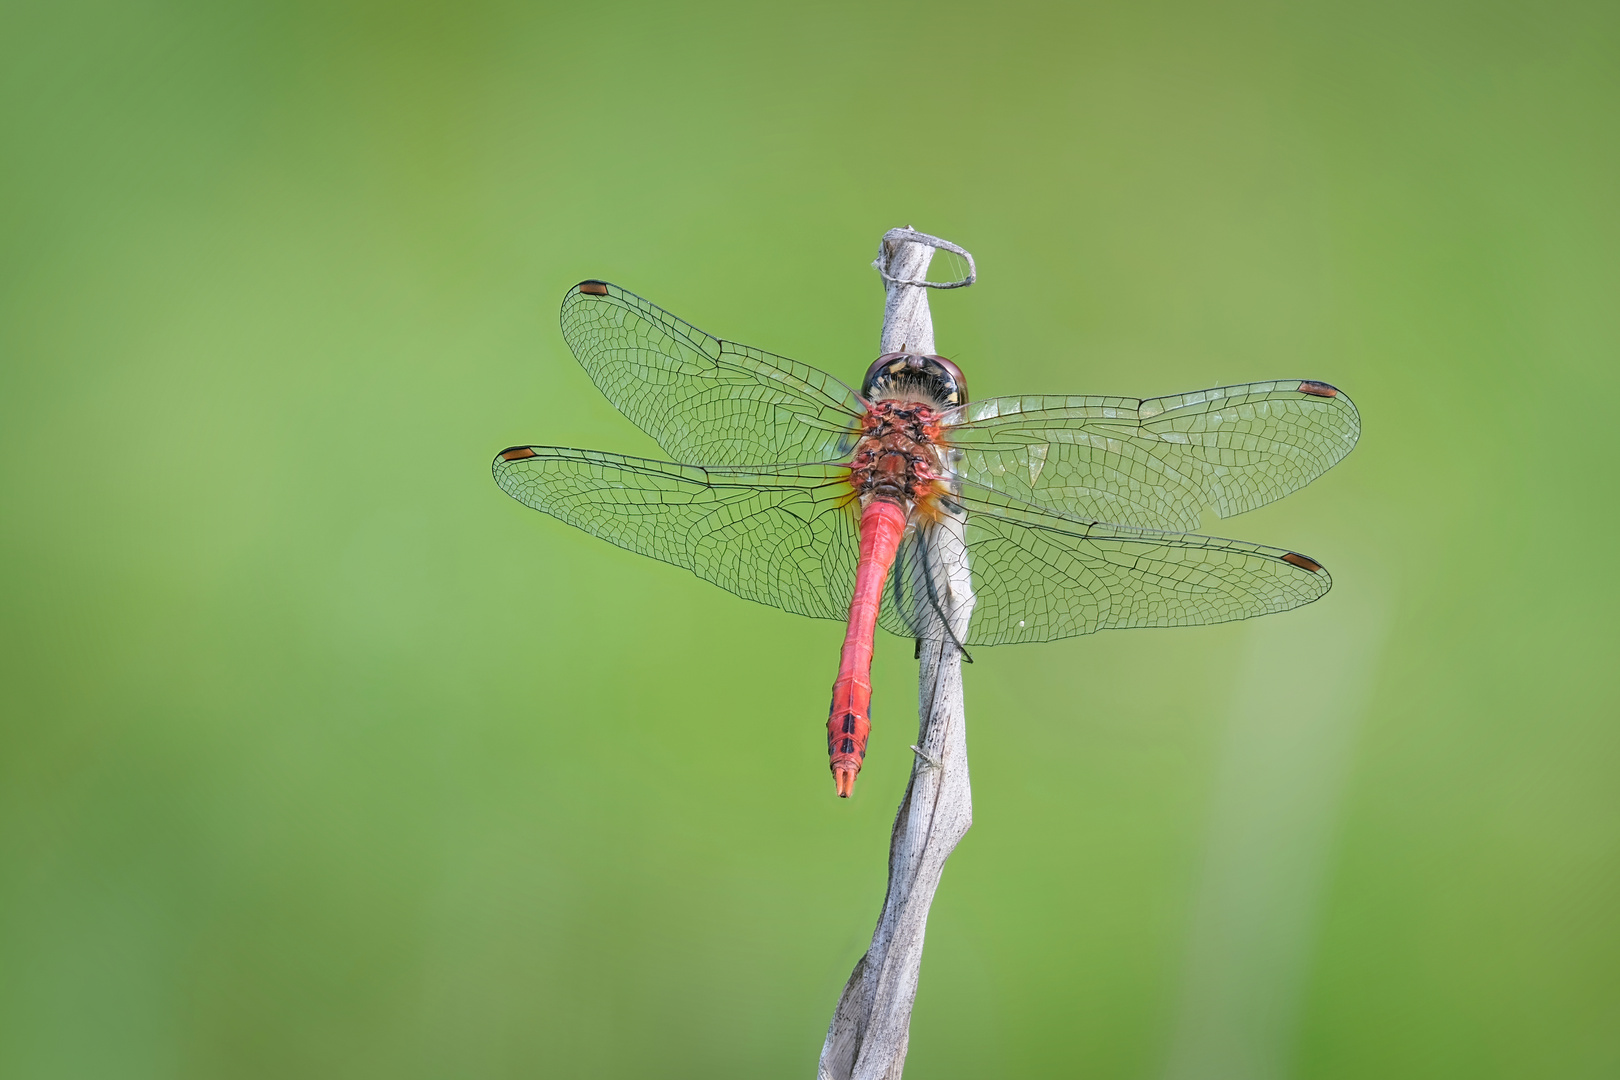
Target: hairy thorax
column 898, row 457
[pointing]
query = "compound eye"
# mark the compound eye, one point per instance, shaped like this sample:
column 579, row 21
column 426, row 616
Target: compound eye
column 956, row 392
column 933, row 376
column 887, row 364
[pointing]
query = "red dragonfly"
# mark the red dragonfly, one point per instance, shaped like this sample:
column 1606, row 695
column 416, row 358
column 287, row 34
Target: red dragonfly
column 792, row 489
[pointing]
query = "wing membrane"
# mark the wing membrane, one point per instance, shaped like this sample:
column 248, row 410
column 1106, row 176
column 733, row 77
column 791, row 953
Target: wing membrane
column 703, row 399
column 782, row 536
column 1039, row 576
column 785, row 536
column 1156, row 463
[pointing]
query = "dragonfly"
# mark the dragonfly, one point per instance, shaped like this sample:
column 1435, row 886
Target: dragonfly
column 1071, row 514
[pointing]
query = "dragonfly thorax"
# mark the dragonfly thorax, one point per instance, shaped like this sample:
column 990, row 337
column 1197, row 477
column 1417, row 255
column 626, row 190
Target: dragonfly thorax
column 897, row 458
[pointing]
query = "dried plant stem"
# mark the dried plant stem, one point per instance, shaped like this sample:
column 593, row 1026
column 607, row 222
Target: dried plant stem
column 871, row 1027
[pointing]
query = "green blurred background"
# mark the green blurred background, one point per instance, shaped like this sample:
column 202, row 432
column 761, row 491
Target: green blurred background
column 324, row 758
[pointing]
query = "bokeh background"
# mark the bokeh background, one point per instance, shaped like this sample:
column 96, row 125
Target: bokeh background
column 323, row 758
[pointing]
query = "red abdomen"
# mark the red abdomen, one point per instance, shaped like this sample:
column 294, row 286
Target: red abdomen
column 882, row 525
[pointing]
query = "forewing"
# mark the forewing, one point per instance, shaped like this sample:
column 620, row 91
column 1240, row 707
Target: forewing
column 1039, row 576
column 1157, row 463
column 782, row 536
column 702, row 399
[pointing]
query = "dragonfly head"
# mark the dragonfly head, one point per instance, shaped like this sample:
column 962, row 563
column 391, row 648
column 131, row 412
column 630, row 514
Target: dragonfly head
column 932, row 380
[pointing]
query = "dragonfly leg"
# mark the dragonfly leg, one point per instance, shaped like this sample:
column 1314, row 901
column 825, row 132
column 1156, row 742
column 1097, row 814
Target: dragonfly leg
column 933, row 600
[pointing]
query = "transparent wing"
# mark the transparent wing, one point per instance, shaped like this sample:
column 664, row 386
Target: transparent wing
column 1157, row 463
column 1038, row 576
column 781, row 535
column 703, row 399
column 785, row 536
